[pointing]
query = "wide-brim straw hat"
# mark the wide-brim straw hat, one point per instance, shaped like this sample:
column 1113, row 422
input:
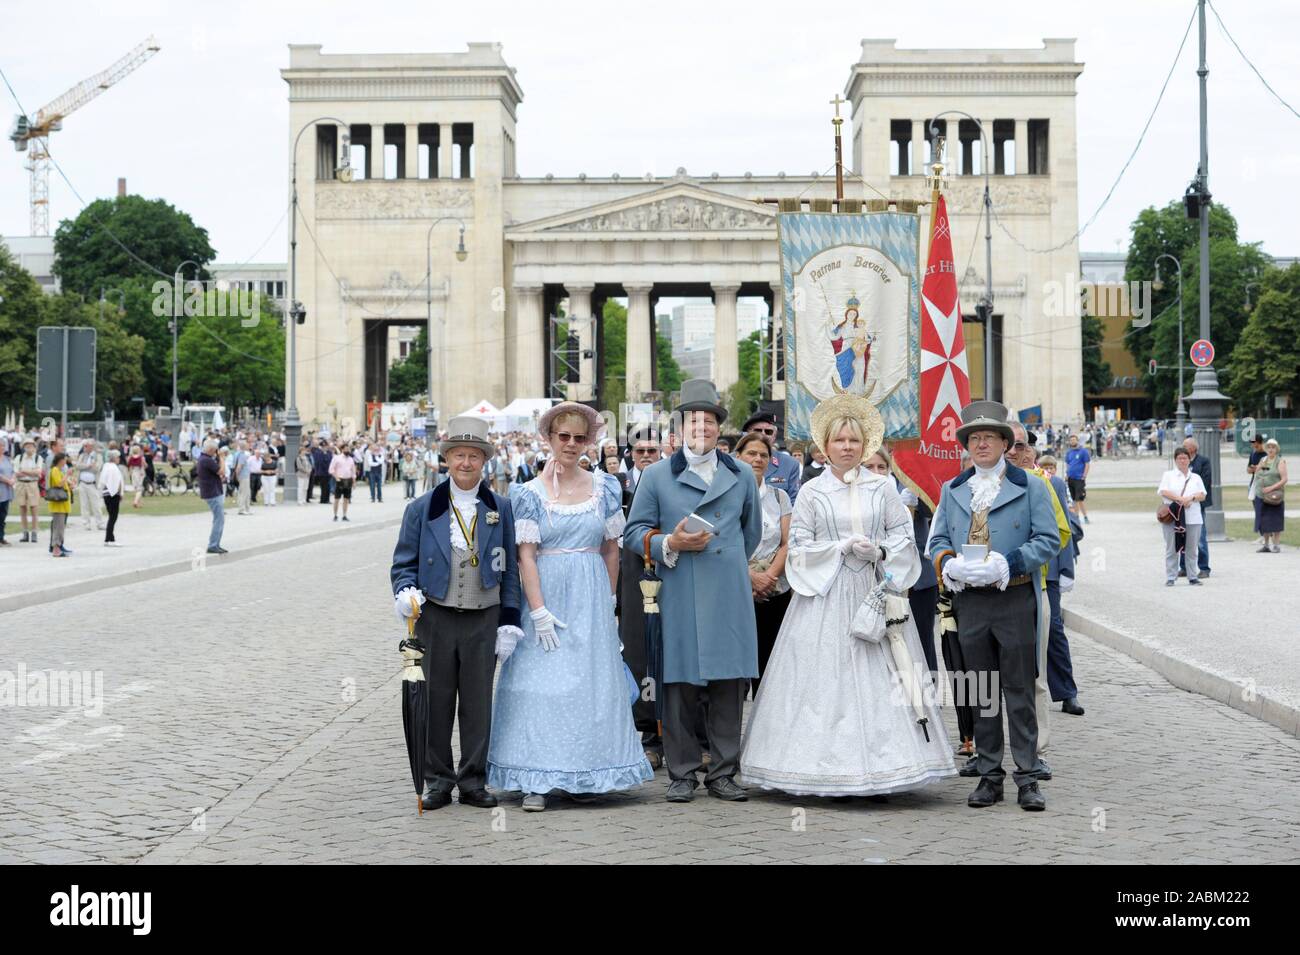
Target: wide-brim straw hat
column 595, row 423
column 857, row 407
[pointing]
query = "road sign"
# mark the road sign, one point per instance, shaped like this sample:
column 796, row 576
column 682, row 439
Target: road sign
column 65, row 369
column 1202, row 353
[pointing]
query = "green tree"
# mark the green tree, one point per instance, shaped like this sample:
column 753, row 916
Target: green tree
column 410, row 376
column 668, row 374
column 738, row 403
column 613, row 391
column 749, row 354
column 89, row 250
column 232, row 360
column 1096, row 370
column 1233, row 264
column 1266, row 361
column 20, row 314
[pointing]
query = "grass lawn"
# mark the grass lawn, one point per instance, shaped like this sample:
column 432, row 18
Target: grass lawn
column 156, row 506
column 1144, row 499
column 1242, row 530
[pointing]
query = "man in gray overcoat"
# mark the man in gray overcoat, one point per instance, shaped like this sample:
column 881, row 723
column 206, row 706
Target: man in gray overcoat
column 706, row 602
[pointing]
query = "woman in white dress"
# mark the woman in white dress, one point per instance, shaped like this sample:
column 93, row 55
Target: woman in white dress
column 845, row 710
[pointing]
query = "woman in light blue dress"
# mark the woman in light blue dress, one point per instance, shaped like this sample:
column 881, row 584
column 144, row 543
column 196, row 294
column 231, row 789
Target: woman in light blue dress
column 562, row 717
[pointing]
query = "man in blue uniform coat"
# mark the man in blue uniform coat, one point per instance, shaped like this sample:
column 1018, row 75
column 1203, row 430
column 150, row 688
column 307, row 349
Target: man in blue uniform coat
column 706, row 602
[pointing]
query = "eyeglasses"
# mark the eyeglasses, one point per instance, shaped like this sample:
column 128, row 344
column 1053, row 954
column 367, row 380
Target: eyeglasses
column 565, row 438
column 645, row 450
column 770, row 432
column 1019, row 446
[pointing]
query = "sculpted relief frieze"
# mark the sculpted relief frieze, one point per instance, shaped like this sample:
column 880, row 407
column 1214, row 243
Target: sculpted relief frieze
column 394, row 199
column 675, row 215
column 965, row 194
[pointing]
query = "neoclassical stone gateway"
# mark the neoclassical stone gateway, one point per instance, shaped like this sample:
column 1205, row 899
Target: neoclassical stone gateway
column 434, row 136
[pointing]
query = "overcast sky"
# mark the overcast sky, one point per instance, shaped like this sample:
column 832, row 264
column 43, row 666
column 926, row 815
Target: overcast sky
column 637, row 88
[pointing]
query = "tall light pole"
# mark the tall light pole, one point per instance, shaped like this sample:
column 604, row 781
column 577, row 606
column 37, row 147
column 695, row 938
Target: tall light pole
column 1206, row 400
column 178, row 309
column 430, row 433
column 985, row 307
column 1180, row 415
column 297, row 314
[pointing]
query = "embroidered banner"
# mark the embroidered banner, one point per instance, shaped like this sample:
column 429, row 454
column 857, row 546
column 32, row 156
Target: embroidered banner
column 851, row 321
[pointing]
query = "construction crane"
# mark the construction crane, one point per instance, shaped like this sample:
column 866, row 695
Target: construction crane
column 32, row 133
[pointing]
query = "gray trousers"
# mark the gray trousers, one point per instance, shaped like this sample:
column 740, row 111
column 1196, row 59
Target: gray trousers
column 459, row 663
column 1190, row 550
column 996, row 629
column 682, row 753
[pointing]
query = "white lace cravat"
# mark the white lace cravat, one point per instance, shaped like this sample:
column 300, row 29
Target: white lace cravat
column 985, row 485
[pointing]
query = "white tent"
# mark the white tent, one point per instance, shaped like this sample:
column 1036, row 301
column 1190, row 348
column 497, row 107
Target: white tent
column 523, row 412
column 486, row 409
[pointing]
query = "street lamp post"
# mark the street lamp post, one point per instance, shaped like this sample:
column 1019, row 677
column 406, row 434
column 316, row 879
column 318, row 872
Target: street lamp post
column 1180, row 415
column 985, row 307
column 292, row 423
column 178, row 309
column 431, row 434
column 1206, row 400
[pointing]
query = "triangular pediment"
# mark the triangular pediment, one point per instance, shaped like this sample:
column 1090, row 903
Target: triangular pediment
column 675, row 208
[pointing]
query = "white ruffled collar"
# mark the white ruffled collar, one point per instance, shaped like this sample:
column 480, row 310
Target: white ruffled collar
column 693, row 460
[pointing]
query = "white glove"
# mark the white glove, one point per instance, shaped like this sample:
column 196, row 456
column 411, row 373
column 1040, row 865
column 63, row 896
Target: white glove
column 954, row 573
column 908, row 497
column 405, row 602
column 846, row 545
column 507, row 639
column 545, row 622
column 865, row 549
column 1001, row 571
column 1066, row 583
column 980, row 573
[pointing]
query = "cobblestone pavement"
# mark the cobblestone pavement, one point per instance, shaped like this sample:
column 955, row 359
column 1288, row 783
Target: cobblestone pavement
column 250, row 713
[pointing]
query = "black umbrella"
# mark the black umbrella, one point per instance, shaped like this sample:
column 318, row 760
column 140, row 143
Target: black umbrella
column 654, row 635
column 955, row 663
column 415, row 705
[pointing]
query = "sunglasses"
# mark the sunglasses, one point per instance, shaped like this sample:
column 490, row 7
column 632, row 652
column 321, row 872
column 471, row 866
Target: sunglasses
column 645, row 450
column 565, row 438
column 1019, row 446
column 768, row 431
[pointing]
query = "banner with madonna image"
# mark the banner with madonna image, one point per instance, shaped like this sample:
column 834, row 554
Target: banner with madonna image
column 852, row 314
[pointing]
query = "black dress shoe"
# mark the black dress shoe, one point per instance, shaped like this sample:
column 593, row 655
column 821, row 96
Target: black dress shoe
column 969, row 769
column 1072, row 706
column 479, row 799
column 1030, row 799
column 681, row 790
column 435, row 799
column 726, row 788
column 985, row 794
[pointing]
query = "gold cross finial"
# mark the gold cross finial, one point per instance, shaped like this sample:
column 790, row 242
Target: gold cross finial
column 836, row 102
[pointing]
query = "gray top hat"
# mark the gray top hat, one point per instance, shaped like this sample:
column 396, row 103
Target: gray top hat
column 984, row 416
column 467, row 431
column 698, row 394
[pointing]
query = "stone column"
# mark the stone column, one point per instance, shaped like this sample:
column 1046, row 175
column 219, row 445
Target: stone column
column 639, row 340
column 530, row 343
column 988, row 162
column 778, row 322
column 917, row 167
column 411, row 152
column 376, row 152
column 445, row 148
column 580, row 313
column 726, row 353
column 1022, row 147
